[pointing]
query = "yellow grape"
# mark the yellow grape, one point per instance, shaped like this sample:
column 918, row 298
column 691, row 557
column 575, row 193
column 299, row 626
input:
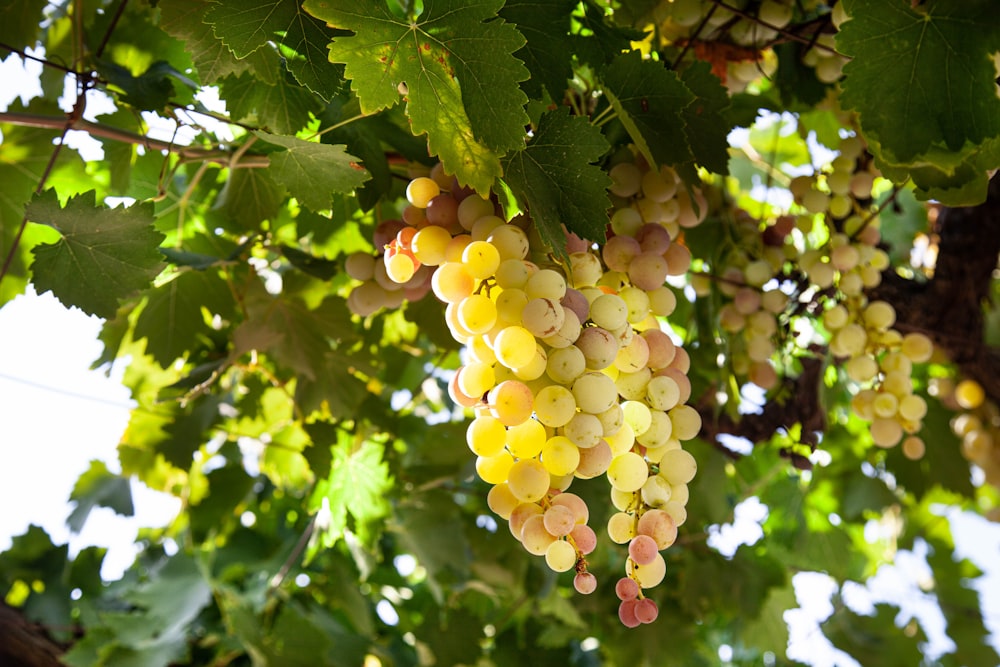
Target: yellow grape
column 560, row 456
column 528, row 480
column 560, row 556
column 486, row 436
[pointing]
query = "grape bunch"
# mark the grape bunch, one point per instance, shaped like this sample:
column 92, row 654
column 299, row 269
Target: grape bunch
column 977, row 424
column 876, row 357
column 566, row 368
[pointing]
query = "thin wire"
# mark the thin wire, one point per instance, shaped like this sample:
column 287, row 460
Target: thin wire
column 65, row 392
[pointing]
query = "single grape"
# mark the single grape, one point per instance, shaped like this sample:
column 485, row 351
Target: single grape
column 585, row 583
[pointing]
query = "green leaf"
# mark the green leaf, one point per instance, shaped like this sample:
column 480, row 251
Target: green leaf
column 245, row 27
column 650, row 101
column 312, row 171
column 954, row 584
column 455, row 61
column 933, row 102
column 98, row 487
column 228, row 487
column 706, row 117
column 105, row 254
column 149, row 91
column 875, row 640
column 295, row 335
column 172, row 318
column 19, row 22
column 548, row 48
column 283, row 107
column 250, row 197
column 768, row 631
column 185, row 20
column 554, row 176
column 32, row 556
column 357, row 486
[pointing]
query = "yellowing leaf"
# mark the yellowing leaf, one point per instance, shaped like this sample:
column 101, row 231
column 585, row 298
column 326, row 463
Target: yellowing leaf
column 453, row 66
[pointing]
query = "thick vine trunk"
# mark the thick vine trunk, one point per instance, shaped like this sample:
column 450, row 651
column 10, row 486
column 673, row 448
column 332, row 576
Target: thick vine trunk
column 25, row 644
column 949, row 307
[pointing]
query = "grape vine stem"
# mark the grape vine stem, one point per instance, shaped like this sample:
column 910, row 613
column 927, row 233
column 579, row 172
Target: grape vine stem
column 189, row 153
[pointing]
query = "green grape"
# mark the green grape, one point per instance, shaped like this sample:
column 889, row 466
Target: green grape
column 678, row 466
column 555, row 405
column 628, row 472
column 594, row 393
column 510, row 241
column 584, row 430
column 471, row 209
column 609, row 311
column 621, row 527
column 566, row 364
column 547, row 284
column 656, row 491
column 686, row 422
column 560, row 556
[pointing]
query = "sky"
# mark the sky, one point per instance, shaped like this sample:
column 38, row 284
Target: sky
column 58, row 415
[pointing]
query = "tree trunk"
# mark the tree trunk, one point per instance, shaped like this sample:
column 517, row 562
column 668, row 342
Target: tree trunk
column 25, row 644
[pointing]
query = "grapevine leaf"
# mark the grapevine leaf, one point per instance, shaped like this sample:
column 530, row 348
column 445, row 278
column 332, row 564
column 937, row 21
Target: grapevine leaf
column 99, row 488
column 312, row 171
column 554, row 177
column 247, row 26
column 172, row 319
column 706, row 118
column 357, row 486
column 185, row 20
column 249, row 197
column 289, row 330
column 548, row 48
column 324, row 269
column 19, row 22
column 875, row 639
column 459, row 73
column 955, row 586
column 923, row 81
column 650, row 101
column 283, row 107
column 769, row 631
column 104, row 255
